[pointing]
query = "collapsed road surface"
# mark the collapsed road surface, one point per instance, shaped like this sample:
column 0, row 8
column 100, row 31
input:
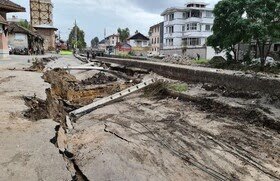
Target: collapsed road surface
column 169, row 131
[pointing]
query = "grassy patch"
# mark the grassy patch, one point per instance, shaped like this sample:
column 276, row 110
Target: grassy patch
column 179, row 87
column 65, row 52
column 201, row 61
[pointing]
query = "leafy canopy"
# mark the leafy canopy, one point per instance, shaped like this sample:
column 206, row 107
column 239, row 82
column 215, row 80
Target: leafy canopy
column 94, row 42
column 80, row 43
column 124, row 34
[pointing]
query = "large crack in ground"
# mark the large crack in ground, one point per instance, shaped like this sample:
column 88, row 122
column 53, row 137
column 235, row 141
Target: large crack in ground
column 67, row 94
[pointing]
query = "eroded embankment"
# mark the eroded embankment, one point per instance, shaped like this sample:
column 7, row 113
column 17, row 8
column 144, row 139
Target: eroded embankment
column 67, row 93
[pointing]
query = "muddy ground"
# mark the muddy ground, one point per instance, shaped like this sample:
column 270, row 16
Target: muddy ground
column 204, row 133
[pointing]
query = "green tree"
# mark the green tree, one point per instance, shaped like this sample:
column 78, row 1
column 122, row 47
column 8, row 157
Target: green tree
column 78, row 41
column 263, row 17
column 229, row 26
column 94, row 42
column 246, row 21
column 124, row 34
column 24, row 24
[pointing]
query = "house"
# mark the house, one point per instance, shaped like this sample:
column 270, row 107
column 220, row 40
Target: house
column 21, row 38
column 123, row 48
column 111, row 42
column 102, row 44
column 156, row 38
column 41, row 17
column 6, row 6
column 48, row 33
column 187, row 28
column 139, row 43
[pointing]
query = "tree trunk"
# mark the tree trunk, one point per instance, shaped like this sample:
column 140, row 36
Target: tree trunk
column 262, row 55
column 235, row 55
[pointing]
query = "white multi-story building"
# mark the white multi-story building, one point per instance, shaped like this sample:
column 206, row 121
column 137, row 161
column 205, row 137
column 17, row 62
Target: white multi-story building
column 187, row 28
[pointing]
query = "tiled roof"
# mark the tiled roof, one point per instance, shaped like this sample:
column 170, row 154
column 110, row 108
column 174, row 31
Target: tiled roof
column 138, row 36
column 44, row 26
column 16, row 28
column 11, row 6
column 2, row 20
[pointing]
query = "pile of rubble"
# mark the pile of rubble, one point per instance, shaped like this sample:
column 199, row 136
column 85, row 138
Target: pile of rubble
column 182, row 60
column 39, row 64
column 99, row 78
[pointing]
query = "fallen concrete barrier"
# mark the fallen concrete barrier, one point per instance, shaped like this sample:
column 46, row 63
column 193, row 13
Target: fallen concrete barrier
column 231, row 79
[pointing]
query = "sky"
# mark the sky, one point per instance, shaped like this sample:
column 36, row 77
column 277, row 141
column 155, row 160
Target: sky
column 94, row 16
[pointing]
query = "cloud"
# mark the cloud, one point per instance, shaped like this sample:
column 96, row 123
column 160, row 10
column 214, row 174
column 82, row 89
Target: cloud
column 93, row 16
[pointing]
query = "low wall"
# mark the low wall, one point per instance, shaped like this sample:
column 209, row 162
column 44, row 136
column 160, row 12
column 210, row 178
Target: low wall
column 231, row 79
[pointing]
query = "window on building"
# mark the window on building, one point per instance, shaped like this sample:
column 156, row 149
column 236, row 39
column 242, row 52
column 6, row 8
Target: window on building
column 193, row 41
column 209, row 14
column 169, row 42
column 170, row 29
column 184, row 15
column 192, row 26
column 196, row 13
column 207, row 27
column 171, row 17
column 158, row 40
column 113, row 42
column 183, row 28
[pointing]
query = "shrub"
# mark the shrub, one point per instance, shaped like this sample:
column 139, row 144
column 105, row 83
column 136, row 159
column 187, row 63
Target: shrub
column 218, row 62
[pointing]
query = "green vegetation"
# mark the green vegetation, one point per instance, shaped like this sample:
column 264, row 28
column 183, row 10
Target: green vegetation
column 24, row 24
column 124, row 34
column 94, row 42
column 161, row 88
column 201, row 61
column 78, row 41
column 178, row 87
column 245, row 21
column 66, row 52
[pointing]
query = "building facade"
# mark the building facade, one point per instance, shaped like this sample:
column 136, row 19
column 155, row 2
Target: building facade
column 21, row 38
column 6, row 6
column 112, row 40
column 139, row 43
column 186, row 29
column 41, row 17
column 156, row 38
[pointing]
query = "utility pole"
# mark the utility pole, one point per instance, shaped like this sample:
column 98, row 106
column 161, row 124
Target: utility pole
column 76, row 35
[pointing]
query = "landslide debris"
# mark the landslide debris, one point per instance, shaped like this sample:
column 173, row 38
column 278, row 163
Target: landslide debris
column 37, row 109
column 99, row 78
column 39, row 64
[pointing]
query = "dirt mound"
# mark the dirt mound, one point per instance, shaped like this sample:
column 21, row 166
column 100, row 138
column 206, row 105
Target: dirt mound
column 38, row 65
column 37, row 109
column 100, row 78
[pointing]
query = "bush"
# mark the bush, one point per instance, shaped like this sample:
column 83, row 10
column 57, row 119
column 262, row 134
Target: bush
column 218, row 62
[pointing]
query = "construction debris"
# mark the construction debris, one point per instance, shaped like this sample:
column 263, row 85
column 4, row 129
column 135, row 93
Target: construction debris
column 39, row 64
column 38, row 109
column 99, row 78
column 130, row 90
